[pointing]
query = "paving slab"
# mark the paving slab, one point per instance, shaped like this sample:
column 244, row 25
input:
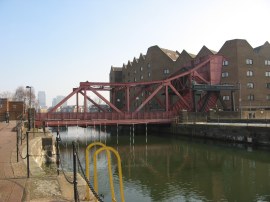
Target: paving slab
column 41, row 186
column 11, row 187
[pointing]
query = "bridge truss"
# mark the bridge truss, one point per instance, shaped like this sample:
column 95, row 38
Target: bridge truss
column 194, row 87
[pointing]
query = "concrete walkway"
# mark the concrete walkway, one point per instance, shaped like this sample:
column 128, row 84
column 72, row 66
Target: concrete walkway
column 41, row 186
column 12, row 185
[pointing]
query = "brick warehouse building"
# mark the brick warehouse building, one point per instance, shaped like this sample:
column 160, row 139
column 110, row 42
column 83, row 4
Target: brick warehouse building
column 15, row 109
column 244, row 66
column 249, row 68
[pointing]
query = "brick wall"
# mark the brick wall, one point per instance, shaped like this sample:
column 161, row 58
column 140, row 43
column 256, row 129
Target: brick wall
column 15, row 109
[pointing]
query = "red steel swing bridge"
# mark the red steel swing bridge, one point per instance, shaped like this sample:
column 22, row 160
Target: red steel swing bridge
column 195, row 87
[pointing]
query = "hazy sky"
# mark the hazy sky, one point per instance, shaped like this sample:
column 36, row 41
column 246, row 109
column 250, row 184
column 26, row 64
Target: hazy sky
column 52, row 45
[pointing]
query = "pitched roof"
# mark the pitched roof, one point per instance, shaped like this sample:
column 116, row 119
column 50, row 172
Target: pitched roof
column 257, row 49
column 116, row 69
column 172, row 54
column 205, row 51
column 135, row 60
column 235, row 44
column 190, row 54
column 142, row 56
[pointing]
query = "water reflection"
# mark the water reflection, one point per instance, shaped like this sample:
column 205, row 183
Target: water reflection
column 165, row 168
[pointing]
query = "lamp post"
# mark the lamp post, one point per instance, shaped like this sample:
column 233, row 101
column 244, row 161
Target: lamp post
column 29, row 112
column 24, row 108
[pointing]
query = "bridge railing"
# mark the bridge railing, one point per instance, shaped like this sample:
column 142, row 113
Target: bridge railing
column 103, row 115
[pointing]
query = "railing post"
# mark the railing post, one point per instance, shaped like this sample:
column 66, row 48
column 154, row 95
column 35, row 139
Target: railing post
column 57, row 151
column 74, row 172
column 17, row 144
column 27, row 154
column 21, row 138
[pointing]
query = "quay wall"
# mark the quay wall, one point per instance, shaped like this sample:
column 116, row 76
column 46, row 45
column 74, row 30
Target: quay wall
column 41, row 148
column 255, row 134
column 247, row 133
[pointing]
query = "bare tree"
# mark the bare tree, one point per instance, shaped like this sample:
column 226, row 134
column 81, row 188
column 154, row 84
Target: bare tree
column 23, row 94
column 20, row 94
column 6, row 94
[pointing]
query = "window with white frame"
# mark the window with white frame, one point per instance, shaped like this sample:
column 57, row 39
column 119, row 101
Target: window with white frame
column 267, row 74
column 149, row 74
column 267, row 62
column 226, row 97
column 225, row 74
column 250, row 85
column 166, row 71
column 268, row 97
column 250, row 97
column 225, row 62
column 141, row 69
column 249, row 73
column 249, row 61
column 141, row 77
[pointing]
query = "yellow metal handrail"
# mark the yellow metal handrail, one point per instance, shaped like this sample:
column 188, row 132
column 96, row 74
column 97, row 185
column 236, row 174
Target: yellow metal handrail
column 108, row 150
column 87, row 172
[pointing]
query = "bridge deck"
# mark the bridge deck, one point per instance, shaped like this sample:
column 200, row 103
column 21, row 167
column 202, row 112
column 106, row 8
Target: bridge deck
column 102, row 118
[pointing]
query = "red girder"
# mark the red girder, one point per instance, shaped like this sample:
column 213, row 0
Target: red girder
column 208, row 71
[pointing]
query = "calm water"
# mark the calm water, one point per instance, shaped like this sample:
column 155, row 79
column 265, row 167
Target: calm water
column 166, row 168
